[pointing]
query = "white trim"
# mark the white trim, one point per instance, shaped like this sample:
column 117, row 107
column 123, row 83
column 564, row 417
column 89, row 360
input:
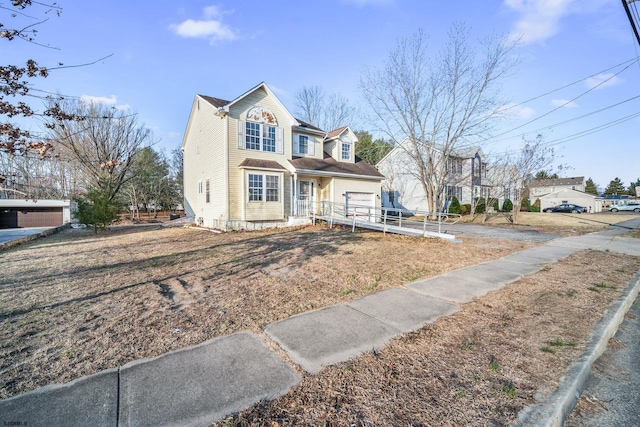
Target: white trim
column 255, row 168
column 333, row 174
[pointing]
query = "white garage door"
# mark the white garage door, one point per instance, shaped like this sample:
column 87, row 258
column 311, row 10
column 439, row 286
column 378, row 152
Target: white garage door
column 360, row 204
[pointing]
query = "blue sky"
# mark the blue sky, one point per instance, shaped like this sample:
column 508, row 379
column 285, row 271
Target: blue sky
column 164, row 52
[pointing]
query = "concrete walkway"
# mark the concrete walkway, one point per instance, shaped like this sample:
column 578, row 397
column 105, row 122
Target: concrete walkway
column 198, row 385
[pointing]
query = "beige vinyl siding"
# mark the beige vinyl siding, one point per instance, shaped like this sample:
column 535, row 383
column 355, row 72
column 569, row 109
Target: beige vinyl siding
column 315, row 153
column 238, row 111
column 263, row 210
column 205, row 154
column 343, row 185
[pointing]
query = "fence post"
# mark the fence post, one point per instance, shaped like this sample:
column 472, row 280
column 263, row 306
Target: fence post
column 400, row 218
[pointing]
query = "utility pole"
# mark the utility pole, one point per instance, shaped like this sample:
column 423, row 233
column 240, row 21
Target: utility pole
column 631, row 16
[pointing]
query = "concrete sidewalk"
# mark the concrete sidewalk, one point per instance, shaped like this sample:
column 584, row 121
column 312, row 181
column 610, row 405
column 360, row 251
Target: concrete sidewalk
column 198, row 385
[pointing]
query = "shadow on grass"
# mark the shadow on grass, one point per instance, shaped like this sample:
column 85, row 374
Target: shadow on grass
column 238, row 259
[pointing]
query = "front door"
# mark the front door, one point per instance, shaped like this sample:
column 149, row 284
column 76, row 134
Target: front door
column 306, row 196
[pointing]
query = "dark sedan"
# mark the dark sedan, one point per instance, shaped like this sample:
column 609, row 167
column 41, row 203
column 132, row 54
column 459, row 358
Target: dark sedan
column 567, row 208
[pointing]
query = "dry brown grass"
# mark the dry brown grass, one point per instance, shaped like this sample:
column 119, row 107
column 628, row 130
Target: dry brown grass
column 478, row 367
column 558, row 222
column 77, row 303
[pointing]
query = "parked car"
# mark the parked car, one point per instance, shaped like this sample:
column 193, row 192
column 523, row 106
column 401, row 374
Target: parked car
column 566, row 207
column 631, row 206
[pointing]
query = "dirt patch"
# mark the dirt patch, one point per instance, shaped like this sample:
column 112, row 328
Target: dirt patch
column 76, row 303
column 477, row 367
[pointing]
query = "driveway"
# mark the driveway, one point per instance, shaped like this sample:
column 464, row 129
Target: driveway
column 489, row 232
column 9, row 234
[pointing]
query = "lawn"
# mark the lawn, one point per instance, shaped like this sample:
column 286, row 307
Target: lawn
column 76, row 303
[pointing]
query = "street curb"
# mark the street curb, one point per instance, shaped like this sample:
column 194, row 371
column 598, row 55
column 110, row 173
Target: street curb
column 560, row 403
column 16, row 242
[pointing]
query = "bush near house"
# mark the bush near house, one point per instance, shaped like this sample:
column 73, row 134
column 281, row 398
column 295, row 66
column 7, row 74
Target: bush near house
column 481, row 205
column 535, row 207
column 496, row 205
column 465, row 209
column 455, row 207
column 507, row 206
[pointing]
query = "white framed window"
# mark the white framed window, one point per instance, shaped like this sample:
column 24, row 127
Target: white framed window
column 272, row 188
column 207, row 191
column 303, row 144
column 259, row 137
column 255, row 187
column 346, row 151
column 200, row 187
column 263, row 187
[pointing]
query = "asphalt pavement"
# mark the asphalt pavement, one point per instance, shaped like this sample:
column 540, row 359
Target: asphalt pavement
column 613, row 387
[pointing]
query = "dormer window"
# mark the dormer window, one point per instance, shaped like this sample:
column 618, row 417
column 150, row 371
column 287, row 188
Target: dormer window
column 303, row 146
column 346, row 151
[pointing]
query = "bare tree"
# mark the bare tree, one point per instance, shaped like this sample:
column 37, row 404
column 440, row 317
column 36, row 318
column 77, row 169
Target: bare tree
column 17, row 89
column 103, row 143
column 533, row 156
column 438, row 104
column 325, row 112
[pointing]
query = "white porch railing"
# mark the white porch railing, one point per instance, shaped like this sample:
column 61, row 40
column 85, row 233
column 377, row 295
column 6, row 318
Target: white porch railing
column 304, row 207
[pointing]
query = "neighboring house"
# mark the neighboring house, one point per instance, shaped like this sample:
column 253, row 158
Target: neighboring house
column 541, row 187
column 402, row 187
column 249, row 164
column 566, row 195
column 21, row 213
column 616, row 199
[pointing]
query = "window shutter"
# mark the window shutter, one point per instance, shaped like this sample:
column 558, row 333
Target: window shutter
column 311, row 146
column 241, row 128
column 279, row 140
column 296, row 143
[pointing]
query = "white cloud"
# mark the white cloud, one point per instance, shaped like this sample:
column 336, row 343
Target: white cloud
column 210, row 27
column 602, row 79
column 88, row 99
column 512, row 111
column 112, row 100
column 564, row 103
column 539, row 19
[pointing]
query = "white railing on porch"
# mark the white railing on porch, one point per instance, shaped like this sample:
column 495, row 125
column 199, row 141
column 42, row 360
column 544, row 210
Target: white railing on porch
column 304, row 207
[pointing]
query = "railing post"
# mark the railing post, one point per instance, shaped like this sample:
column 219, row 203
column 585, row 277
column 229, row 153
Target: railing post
column 385, row 221
column 400, row 218
column 353, row 228
column 424, row 224
column 331, row 217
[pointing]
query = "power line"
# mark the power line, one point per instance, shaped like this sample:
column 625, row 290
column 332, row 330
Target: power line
column 625, row 4
column 493, row 141
column 632, row 60
column 580, row 134
column 566, row 103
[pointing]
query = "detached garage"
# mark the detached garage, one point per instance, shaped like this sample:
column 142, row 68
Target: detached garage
column 591, row 202
column 34, row 213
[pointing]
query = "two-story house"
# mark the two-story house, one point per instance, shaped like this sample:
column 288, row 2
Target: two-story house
column 463, row 174
column 542, row 187
column 249, row 164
